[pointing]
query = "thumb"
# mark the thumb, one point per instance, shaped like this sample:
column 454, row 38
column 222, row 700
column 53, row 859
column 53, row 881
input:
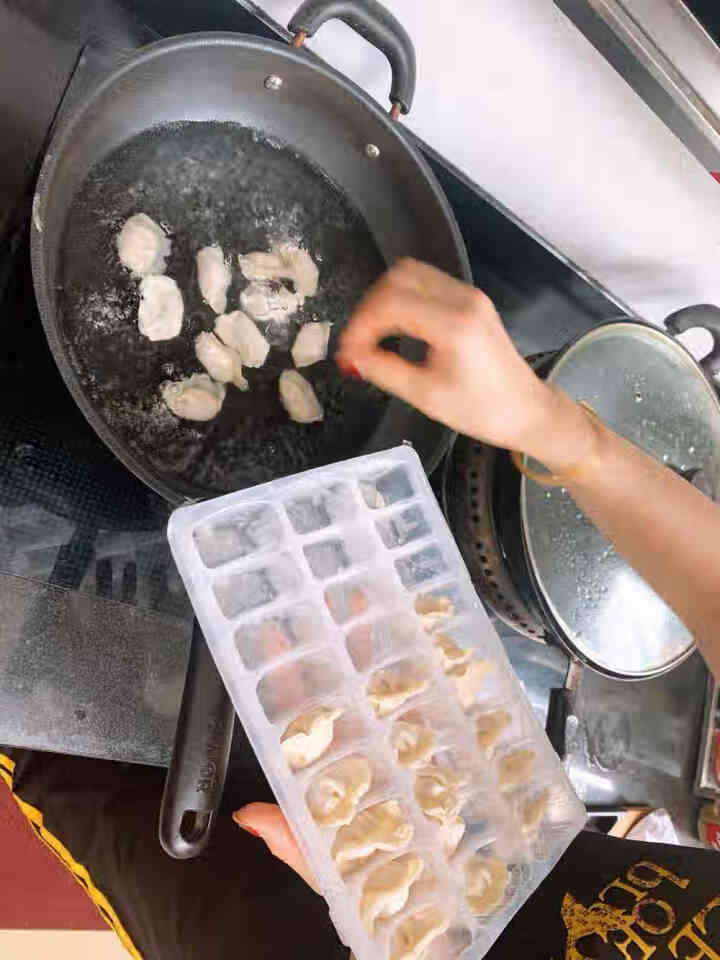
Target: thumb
column 266, row 820
column 385, row 370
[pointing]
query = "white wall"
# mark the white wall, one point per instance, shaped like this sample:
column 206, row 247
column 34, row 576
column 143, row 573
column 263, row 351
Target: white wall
column 513, row 95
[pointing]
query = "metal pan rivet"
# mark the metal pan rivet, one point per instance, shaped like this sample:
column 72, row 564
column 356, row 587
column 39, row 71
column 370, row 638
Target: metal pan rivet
column 273, row 82
column 372, row 151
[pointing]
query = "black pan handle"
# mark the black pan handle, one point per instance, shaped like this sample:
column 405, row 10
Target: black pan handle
column 704, row 315
column 378, row 26
column 196, row 777
column 559, row 709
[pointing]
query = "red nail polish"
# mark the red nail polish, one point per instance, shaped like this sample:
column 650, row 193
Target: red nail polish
column 249, row 829
column 346, row 367
column 349, row 369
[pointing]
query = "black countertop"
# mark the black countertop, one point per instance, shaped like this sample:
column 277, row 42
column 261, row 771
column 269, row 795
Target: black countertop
column 95, row 626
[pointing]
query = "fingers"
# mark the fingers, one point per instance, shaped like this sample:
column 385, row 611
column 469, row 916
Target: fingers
column 428, row 281
column 266, row 820
column 412, row 299
column 392, row 374
column 388, row 310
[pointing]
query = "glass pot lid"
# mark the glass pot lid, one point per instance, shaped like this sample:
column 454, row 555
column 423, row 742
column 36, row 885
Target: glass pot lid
column 646, row 387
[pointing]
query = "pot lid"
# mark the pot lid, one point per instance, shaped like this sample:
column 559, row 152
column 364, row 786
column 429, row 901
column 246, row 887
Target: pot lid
column 646, row 387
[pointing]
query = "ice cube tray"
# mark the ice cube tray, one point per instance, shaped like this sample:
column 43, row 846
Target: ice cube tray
column 341, row 590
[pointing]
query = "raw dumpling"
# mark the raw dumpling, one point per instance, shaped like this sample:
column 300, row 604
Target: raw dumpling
column 489, row 728
column 142, row 245
column 222, row 363
column 486, row 883
column 311, row 343
column 381, row 827
column 160, row 312
column 333, row 796
column 469, row 680
column 433, row 609
column 195, row 398
column 298, row 398
column 516, row 768
column 260, row 265
column 213, row 277
column 534, row 810
column 268, row 302
column 308, row 736
column 387, row 889
column 390, row 687
column 413, row 743
column 452, row 831
column 437, row 792
column 414, row 935
column 237, row 331
column 450, row 655
column 284, row 262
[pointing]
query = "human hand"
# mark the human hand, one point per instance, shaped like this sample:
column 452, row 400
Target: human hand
column 266, row 820
column 473, row 379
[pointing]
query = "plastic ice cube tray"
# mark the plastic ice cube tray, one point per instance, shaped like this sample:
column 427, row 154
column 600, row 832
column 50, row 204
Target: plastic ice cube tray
column 342, row 588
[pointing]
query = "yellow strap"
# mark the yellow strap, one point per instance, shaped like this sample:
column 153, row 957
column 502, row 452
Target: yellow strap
column 7, row 764
column 79, row 872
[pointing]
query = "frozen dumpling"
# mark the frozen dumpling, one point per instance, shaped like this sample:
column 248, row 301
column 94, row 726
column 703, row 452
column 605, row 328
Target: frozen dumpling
column 195, row 398
column 213, row 277
column 486, row 880
column 387, row 888
column 308, row 736
column 268, row 302
column 334, row 794
column 469, row 679
column 298, row 398
column 437, row 792
column 449, row 654
column 391, row 686
column 451, row 833
column 413, row 743
column 383, row 826
column 284, row 262
column 414, row 935
column 222, row 363
column 160, row 312
column 516, row 768
column 237, row 331
column 489, row 728
column 142, row 245
column 433, row 609
column 533, row 811
column 311, row 343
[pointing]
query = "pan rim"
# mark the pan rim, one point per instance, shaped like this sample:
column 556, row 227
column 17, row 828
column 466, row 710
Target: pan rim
column 75, row 113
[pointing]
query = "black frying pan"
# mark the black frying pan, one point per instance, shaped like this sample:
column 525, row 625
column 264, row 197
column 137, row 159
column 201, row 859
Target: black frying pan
column 233, row 140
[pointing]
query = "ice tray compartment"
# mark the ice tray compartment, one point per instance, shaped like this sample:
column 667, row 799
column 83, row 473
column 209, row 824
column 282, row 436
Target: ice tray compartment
column 238, row 534
column 242, row 591
column 379, row 701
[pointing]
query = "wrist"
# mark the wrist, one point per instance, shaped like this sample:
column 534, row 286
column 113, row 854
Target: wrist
column 566, row 434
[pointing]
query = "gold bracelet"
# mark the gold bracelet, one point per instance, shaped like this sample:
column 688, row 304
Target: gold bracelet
column 552, row 479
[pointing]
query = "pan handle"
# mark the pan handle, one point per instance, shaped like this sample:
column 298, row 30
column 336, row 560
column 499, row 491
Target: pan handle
column 704, row 315
column 196, row 777
column 378, row 26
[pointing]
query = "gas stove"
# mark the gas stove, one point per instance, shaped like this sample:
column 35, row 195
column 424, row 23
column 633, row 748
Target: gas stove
column 95, row 622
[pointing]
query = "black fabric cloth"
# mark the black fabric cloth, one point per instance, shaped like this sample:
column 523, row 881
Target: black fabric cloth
column 606, row 899
column 234, row 901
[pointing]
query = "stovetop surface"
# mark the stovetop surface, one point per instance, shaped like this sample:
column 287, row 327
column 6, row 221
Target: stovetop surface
column 94, row 621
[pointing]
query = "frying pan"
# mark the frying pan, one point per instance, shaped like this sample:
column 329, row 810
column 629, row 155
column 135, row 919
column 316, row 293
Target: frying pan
column 231, row 139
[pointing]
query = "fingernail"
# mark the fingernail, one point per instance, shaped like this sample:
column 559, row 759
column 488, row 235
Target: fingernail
column 348, row 369
column 245, row 826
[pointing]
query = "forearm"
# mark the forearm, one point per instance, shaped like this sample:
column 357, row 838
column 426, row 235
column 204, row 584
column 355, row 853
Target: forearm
column 659, row 523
